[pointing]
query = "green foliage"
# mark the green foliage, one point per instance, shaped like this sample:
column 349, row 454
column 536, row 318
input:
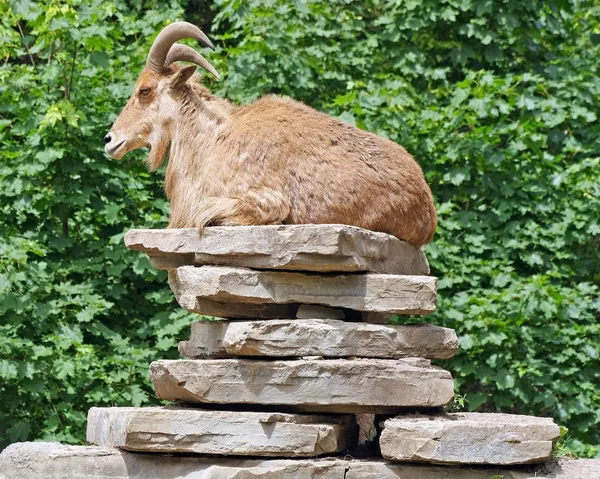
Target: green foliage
column 561, row 448
column 458, row 404
column 498, row 101
column 80, row 315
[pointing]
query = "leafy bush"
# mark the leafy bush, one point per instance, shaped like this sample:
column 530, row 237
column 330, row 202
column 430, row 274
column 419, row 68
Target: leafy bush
column 81, row 316
column 498, row 101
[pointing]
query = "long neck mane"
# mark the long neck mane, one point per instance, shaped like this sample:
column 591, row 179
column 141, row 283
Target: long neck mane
column 202, row 117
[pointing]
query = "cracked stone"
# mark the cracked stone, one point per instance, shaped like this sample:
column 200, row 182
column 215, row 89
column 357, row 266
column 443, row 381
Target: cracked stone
column 35, row 460
column 321, row 248
column 317, row 337
column 383, row 293
column 327, row 385
column 469, row 438
column 236, row 433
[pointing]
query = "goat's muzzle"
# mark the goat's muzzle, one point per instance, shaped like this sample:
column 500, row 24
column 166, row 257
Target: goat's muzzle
column 112, row 146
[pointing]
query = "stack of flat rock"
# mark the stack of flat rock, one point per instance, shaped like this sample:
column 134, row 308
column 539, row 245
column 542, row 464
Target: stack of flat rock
column 300, row 359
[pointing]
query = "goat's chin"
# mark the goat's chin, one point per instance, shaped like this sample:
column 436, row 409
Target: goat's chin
column 119, row 152
column 117, row 155
column 157, row 155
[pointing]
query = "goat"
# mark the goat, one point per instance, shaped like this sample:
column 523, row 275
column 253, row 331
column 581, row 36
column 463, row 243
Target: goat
column 273, row 161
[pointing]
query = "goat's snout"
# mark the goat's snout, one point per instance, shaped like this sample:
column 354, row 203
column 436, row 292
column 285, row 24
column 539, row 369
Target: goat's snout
column 115, row 148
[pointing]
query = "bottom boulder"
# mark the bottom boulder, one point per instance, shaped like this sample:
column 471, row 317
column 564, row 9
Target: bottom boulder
column 35, row 460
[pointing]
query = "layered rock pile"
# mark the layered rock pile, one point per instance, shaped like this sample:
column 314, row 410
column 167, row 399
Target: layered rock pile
column 301, row 352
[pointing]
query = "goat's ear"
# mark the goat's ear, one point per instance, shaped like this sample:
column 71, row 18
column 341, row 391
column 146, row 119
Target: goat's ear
column 182, row 76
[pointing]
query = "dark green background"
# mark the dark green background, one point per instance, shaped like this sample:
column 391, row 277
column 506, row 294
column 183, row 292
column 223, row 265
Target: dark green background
column 497, row 100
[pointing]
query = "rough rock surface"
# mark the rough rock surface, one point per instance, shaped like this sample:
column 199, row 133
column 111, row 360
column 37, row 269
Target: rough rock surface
column 241, row 310
column 333, row 385
column 317, row 337
column 36, row 460
column 239, row 433
column 382, row 293
column 314, row 311
column 323, row 248
column 469, row 438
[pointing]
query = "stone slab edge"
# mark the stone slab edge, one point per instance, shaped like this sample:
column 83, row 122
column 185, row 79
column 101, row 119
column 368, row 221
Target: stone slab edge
column 469, row 438
column 306, row 385
column 381, row 293
column 324, row 248
column 317, row 337
column 229, row 433
column 35, row 460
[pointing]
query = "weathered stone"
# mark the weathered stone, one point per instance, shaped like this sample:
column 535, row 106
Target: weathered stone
column 363, row 292
column 318, row 337
column 206, row 340
column 563, row 469
column 314, row 311
column 334, row 385
column 367, row 428
column 167, row 262
column 239, row 433
column 36, row 460
column 239, row 310
column 322, row 248
column 469, row 438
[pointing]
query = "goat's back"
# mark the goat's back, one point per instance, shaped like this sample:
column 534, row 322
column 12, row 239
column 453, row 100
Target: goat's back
column 332, row 172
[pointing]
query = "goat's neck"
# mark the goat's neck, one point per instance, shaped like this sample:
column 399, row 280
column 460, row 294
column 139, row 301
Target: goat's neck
column 193, row 137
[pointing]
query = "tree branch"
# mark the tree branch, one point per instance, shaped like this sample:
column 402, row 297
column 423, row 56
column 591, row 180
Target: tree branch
column 25, row 43
column 69, row 86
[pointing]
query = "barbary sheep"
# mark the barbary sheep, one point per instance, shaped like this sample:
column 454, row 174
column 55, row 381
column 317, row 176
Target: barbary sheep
column 273, row 161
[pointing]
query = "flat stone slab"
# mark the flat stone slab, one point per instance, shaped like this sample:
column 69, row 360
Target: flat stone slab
column 382, row 293
column 469, row 438
column 317, row 337
column 239, row 310
column 332, row 385
column 239, row 433
column 36, row 460
column 322, row 248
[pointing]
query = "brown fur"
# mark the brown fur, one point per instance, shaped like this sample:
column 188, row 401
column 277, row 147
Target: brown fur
column 271, row 162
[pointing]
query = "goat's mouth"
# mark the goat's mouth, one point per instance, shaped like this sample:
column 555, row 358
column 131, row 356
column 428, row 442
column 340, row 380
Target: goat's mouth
column 113, row 150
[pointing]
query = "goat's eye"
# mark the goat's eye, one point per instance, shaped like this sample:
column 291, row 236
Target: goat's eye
column 144, row 91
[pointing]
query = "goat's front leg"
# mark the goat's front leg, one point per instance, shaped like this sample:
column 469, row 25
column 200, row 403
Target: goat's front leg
column 261, row 206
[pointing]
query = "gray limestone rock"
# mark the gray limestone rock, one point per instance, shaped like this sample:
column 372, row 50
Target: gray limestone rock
column 469, row 438
column 323, row 248
column 333, row 385
column 235, row 433
column 382, row 293
column 317, row 337
column 36, row 460
column 216, row 309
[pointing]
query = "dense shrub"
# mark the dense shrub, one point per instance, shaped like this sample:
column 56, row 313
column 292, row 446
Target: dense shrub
column 80, row 316
column 498, row 101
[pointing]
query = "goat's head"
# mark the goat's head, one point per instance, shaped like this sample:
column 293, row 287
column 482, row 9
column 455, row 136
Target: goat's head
column 145, row 119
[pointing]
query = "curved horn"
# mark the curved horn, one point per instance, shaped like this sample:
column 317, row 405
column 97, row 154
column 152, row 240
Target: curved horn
column 184, row 53
column 167, row 37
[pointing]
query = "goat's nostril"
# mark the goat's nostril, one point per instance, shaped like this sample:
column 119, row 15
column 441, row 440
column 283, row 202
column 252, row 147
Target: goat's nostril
column 107, row 139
